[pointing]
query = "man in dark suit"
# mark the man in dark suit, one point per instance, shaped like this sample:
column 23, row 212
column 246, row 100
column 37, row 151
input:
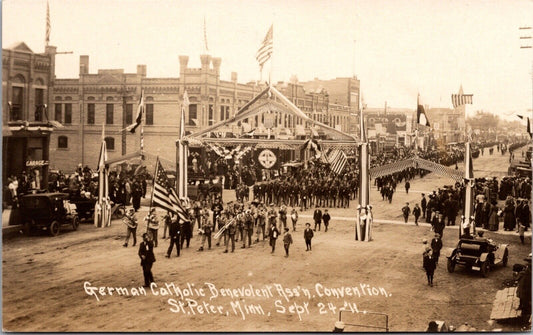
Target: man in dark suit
column 317, row 216
column 174, row 232
column 146, row 253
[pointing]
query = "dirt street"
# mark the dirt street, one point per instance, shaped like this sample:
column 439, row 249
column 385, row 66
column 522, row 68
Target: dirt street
column 53, row 284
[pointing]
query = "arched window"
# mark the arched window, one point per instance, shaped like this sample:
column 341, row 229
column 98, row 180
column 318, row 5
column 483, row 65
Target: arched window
column 62, row 142
column 110, row 143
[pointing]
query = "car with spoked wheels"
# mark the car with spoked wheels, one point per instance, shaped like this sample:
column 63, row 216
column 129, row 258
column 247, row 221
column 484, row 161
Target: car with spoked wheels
column 47, row 211
column 478, row 254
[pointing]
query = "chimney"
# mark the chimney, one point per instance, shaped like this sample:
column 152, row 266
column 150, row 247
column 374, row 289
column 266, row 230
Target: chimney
column 141, row 70
column 234, row 77
column 84, row 64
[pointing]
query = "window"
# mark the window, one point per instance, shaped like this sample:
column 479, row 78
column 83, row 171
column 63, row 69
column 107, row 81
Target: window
column 68, row 113
column 149, row 114
column 16, row 103
column 129, row 114
column 193, row 115
column 90, row 113
column 210, row 115
column 62, row 142
column 58, row 113
column 109, row 113
column 110, row 143
column 39, row 104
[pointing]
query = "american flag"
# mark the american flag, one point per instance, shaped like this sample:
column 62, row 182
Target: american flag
column 421, row 117
column 164, row 194
column 265, row 50
column 529, row 127
column 338, row 160
column 461, row 99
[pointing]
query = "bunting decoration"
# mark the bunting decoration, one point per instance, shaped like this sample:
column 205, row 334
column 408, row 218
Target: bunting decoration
column 364, row 220
column 102, row 207
column 183, row 151
column 421, row 117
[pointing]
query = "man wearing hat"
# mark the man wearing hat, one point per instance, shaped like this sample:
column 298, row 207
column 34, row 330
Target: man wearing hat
column 152, row 225
column 131, row 222
column 429, row 265
column 436, row 246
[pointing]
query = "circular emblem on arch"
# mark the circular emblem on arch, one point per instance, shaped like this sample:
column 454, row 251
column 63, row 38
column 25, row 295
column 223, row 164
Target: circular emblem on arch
column 267, row 158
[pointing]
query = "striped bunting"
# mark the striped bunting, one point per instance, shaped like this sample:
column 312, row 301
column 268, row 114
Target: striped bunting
column 456, row 175
column 338, row 160
column 165, row 196
column 385, row 170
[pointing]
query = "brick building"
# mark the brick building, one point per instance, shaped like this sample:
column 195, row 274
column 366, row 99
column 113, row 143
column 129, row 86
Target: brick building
column 27, row 78
column 111, row 97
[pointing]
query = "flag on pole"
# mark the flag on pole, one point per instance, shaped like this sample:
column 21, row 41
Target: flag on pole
column 337, row 160
column 461, row 99
column 48, row 25
column 205, row 36
column 164, row 194
column 421, row 117
column 138, row 120
column 529, row 126
column 265, row 50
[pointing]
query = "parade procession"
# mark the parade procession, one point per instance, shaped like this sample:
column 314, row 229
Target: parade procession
column 393, row 194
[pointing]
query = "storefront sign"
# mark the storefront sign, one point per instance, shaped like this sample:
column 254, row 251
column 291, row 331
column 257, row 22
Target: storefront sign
column 37, row 163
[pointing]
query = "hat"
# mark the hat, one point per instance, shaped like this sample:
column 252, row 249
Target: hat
column 424, row 241
column 528, row 258
column 131, row 210
column 437, row 235
column 286, row 229
column 272, row 204
column 428, row 249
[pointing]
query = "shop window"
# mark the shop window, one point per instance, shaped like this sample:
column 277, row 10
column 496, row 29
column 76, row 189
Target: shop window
column 110, row 143
column 149, row 114
column 109, row 114
column 90, row 113
column 62, row 142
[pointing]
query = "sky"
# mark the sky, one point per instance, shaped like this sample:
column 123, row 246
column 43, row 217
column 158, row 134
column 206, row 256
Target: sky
column 397, row 49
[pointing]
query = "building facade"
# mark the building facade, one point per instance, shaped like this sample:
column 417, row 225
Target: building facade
column 109, row 99
column 27, row 81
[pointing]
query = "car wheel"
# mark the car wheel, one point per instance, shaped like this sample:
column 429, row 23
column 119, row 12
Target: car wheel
column 54, row 228
column 75, row 222
column 485, row 268
column 505, row 258
column 450, row 265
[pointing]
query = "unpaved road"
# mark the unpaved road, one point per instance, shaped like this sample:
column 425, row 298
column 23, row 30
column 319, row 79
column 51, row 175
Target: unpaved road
column 43, row 278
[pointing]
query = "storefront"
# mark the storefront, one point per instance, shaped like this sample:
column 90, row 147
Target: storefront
column 25, row 148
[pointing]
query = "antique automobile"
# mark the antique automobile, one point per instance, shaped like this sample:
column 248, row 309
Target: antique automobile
column 479, row 254
column 47, row 211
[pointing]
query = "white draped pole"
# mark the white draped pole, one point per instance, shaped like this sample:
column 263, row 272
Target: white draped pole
column 469, row 195
column 363, row 229
column 183, row 151
column 100, row 205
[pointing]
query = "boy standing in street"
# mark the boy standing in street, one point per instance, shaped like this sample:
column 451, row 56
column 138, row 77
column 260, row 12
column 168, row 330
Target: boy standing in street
column 308, row 235
column 287, row 241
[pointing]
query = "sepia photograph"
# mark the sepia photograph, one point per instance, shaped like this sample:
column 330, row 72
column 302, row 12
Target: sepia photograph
column 267, row 166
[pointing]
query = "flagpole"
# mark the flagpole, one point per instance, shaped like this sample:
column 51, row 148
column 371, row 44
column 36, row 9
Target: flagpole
column 271, row 58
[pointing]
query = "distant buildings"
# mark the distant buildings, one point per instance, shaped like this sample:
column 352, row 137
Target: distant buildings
column 111, row 97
